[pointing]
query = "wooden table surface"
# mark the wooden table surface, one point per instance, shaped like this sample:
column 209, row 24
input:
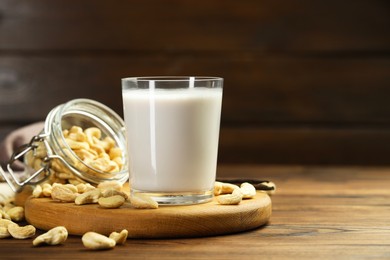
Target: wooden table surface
column 318, row 213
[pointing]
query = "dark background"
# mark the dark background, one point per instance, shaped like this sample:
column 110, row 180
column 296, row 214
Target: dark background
column 306, row 82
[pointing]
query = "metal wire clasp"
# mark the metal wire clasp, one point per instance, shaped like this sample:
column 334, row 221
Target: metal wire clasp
column 15, row 183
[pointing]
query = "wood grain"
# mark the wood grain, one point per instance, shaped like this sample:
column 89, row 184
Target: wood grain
column 318, row 213
column 262, row 90
column 310, row 145
column 289, row 119
column 165, row 222
column 171, row 25
column 306, row 80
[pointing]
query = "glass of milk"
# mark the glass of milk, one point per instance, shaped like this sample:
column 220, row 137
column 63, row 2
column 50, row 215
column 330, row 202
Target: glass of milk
column 172, row 126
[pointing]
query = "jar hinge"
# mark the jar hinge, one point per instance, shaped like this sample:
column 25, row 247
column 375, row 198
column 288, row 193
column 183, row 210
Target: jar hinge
column 16, row 183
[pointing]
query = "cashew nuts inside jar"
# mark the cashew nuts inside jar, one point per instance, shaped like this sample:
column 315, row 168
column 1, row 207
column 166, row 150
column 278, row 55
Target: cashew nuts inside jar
column 82, row 141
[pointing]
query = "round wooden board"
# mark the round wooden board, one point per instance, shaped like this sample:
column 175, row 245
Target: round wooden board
column 206, row 219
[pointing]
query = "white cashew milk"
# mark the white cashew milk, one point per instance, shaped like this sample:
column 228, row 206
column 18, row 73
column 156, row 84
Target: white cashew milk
column 172, row 138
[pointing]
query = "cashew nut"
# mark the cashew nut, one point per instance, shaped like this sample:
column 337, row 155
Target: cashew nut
column 72, row 187
column 8, row 206
column 63, row 194
column 4, row 232
column 91, row 146
column 88, row 197
column 142, row 201
column 120, row 238
column 16, row 213
column 111, row 202
column 54, row 236
column 115, row 152
column 21, row 232
column 81, row 188
column 4, row 223
column 217, row 188
column 84, row 187
column 230, row 199
column 77, row 145
column 64, row 175
column 112, row 192
column 224, row 188
column 3, row 199
column 93, row 240
column 92, row 132
column 46, row 189
column 248, row 190
column 76, row 133
column 37, row 192
column 110, row 185
column 4, row 215
column 75, row 182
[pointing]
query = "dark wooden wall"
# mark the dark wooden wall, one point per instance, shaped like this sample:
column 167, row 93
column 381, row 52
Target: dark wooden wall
column 306, row 81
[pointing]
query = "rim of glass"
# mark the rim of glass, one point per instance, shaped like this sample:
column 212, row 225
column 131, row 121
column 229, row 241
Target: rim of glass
column 173, row 78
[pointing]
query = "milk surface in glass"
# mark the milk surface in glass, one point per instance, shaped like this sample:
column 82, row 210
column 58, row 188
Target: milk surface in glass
column 172, row 138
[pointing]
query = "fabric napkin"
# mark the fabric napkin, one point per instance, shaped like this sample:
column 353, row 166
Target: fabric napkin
column 15, row 139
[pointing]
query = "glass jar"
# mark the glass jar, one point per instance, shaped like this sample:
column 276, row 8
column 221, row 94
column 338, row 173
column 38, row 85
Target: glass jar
column 50, row 151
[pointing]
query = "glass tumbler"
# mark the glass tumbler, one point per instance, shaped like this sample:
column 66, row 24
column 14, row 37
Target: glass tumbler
column 172, row 128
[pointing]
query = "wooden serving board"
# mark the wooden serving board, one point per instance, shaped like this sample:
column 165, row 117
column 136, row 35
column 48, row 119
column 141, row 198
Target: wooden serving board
column 206, row 219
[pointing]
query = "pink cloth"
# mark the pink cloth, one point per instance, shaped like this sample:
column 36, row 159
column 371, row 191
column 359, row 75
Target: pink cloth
column 17, row 138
